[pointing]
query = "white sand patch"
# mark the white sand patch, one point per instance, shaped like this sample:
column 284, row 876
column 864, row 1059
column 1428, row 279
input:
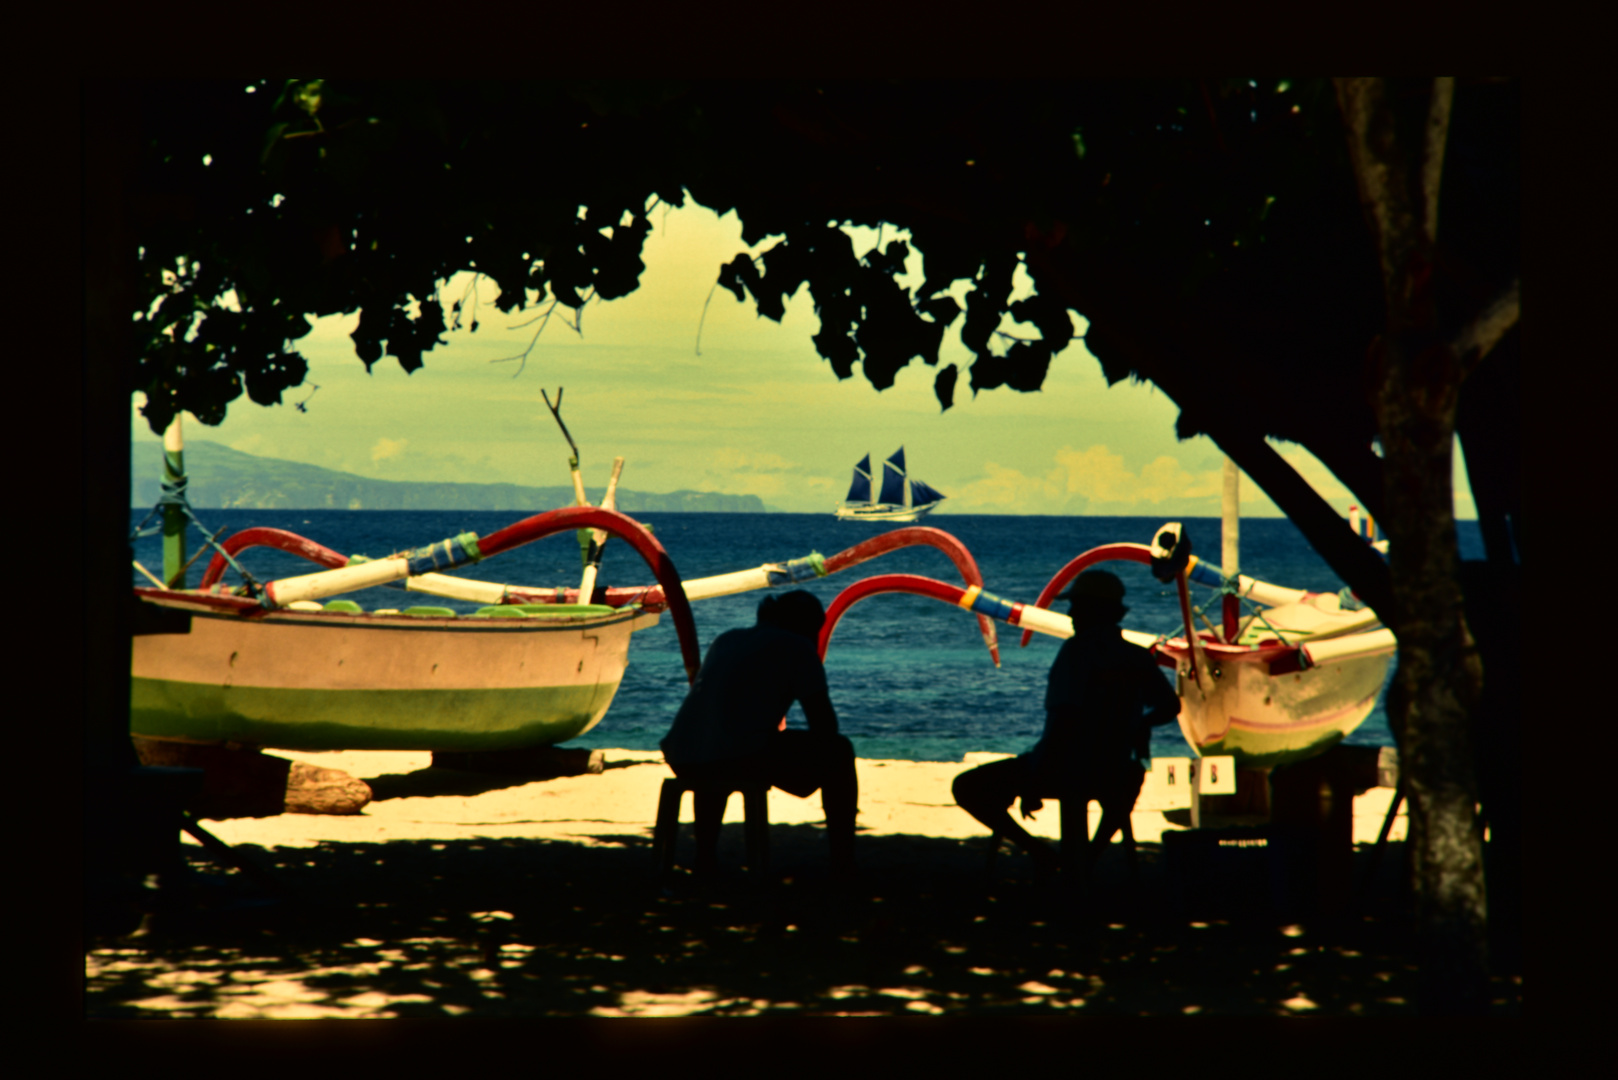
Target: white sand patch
column 896, row 798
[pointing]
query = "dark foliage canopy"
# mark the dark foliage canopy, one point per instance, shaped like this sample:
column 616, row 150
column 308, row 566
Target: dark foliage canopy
column 1209, row 230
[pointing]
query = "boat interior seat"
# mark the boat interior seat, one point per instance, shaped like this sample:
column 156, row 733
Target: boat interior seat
column 542, row 611
column 429, row 611
column 344, row 607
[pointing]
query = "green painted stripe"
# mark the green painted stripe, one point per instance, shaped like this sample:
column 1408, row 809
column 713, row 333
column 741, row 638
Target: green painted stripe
column 1261, row 754
column 304, row 719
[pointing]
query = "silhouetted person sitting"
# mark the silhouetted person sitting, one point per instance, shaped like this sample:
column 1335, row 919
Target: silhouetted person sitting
column 1103, row 698
column 731, row 729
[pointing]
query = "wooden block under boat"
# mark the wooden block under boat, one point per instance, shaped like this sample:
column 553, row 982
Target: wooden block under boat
column 242, row 782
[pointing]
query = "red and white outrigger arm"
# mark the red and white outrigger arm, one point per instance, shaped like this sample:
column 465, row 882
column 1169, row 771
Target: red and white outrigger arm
column 350, row 575
column 769, row 575
column 1281, row 657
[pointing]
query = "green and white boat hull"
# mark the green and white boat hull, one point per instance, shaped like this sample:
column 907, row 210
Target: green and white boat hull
column 328, row 680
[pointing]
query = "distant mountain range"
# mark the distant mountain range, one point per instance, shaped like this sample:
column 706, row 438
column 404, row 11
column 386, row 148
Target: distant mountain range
column 222, row 478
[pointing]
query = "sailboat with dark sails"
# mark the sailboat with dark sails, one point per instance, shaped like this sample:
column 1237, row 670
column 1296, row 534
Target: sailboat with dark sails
column 901, row 498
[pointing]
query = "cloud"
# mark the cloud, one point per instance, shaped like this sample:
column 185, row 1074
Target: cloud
column 1010, row 491
column 762, row 473
column 387, row 448
column 729, row 459
column 1099, row 475
column 1080, row 480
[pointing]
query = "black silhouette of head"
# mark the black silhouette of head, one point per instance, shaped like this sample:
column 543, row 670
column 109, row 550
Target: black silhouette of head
column 798, row 611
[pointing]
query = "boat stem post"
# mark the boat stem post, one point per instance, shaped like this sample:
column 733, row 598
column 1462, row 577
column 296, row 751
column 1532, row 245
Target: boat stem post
column 174, row 521
column 598, row 537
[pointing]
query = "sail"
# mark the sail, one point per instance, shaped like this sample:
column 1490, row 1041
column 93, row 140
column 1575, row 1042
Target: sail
column 898, row 461
column 921, row 494
column 860, row 489
column 893, row 485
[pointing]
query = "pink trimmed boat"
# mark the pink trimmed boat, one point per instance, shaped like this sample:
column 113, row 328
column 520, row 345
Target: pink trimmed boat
column 1288, row 681
column 281, row 670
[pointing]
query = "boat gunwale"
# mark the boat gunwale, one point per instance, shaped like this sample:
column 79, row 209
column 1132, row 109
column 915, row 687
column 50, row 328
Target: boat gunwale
column 198, row 607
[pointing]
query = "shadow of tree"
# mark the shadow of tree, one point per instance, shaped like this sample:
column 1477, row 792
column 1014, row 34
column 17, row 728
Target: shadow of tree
column 432, row 782
column 505, row 927
column 436, row 780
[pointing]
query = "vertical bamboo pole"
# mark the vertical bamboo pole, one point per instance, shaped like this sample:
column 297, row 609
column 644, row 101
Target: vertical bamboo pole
column 1230, row 519
column 174, row 521
column 579, row 500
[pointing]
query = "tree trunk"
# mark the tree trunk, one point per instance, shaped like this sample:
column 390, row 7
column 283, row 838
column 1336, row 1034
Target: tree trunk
column 1440, row 678
column 1396, row 139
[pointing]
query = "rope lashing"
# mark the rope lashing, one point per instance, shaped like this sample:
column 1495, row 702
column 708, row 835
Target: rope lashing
column 444, row 555
column 982, row 603
column 792, row 571
column 172, row 493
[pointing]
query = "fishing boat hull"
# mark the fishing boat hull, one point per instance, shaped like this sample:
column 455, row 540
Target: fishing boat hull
column 297, row 680
column 1264, row 720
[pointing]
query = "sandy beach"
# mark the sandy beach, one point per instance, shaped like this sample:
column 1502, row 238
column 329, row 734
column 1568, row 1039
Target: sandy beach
column 457, row 893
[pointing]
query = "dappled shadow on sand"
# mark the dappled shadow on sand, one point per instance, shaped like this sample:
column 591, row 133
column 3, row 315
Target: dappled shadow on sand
column 435, row 781
column 503, row 927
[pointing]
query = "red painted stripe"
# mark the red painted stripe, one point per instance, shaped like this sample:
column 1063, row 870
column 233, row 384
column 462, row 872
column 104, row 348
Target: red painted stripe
column 232, row 604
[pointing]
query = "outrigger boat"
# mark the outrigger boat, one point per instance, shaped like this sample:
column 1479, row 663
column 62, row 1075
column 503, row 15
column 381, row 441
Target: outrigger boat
column 1291, row 680
column 1285, row 682
column 533, row 668
column 268, row 665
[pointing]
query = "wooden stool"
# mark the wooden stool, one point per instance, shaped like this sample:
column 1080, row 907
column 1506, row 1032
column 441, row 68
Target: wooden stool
column 755, row 806
column 1075, row 822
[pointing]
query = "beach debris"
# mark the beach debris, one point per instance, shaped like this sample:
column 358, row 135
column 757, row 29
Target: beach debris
column 240, row 781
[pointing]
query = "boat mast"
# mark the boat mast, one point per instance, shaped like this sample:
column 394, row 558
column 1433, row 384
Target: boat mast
column 1230, row 520
column 174, row 523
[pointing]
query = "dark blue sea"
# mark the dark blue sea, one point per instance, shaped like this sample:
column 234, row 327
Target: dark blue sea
column 910, row 677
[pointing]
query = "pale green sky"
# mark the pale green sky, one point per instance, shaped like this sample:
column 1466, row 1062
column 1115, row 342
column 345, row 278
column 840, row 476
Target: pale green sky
column 758, row 412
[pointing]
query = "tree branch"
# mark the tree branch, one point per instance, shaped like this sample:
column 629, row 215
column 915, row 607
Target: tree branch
column 1432, row 172
column 1128, row 316
column 1483, row 333
column 1349, row 556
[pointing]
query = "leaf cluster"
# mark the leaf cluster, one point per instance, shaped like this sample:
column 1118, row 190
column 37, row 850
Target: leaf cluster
column 1223, row 206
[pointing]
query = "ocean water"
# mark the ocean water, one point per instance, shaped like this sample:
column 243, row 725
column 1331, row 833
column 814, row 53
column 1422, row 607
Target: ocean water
column 910, row 677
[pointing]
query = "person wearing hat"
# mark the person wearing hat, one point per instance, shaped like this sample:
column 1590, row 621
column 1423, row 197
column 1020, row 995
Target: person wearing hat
column 1103, row 698
column 730, row 726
